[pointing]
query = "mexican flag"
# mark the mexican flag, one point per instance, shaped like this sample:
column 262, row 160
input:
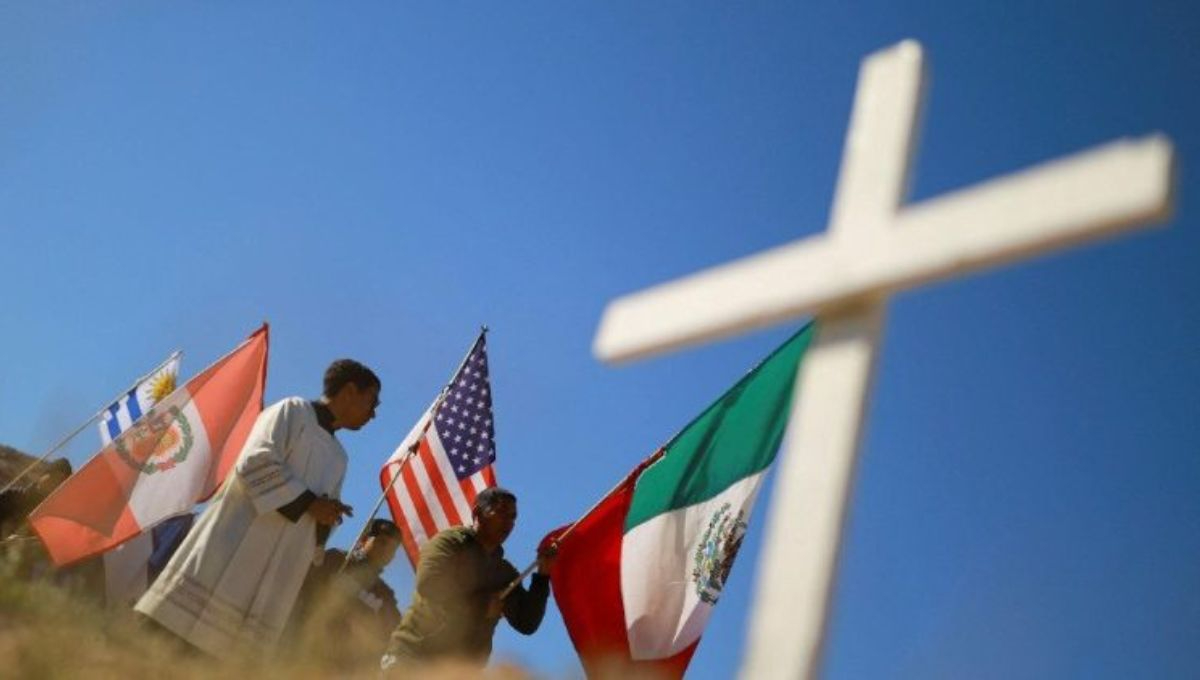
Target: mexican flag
column 639, row 575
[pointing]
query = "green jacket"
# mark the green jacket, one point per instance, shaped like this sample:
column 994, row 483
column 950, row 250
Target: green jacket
column 455, row 580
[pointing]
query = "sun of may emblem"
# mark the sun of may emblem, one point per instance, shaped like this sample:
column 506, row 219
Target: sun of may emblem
column 714, row 555
column 157, row 442
column 161, row 385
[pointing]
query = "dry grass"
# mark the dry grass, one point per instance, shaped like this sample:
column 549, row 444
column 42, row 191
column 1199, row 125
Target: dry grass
column 50, row 631
column 47, row 631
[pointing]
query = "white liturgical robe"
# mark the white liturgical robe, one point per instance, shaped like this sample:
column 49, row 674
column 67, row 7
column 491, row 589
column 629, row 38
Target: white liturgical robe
column 234, row 580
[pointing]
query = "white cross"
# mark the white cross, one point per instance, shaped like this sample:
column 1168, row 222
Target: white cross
column 875, row 246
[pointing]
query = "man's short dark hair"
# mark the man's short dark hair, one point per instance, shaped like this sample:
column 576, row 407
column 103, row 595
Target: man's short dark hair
column 345, row 371
column 490, row 497
column 383, row 527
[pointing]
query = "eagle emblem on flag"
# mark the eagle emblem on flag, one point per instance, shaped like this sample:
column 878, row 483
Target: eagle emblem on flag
column 158, row 442
column 715, row 552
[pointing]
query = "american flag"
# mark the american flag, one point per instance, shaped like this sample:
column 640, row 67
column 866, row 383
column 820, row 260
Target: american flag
column 446, row 459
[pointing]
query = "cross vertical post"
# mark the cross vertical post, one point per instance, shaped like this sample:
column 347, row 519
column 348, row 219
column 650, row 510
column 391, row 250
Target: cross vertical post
column 811, row 493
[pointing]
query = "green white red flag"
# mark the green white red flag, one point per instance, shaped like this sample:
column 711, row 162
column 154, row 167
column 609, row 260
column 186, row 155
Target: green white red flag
column 637, row 578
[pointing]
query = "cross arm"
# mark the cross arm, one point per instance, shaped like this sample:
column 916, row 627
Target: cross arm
column 1112, row 188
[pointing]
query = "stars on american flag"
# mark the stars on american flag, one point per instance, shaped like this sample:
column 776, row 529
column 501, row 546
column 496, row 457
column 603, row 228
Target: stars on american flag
column 464, row 419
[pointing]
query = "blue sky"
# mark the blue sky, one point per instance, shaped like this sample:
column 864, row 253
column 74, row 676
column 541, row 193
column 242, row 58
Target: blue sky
column 377, row 180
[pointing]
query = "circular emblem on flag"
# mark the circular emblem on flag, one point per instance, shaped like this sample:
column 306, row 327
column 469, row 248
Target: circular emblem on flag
column 714, row 554
column 161, row 385
column 158, row 442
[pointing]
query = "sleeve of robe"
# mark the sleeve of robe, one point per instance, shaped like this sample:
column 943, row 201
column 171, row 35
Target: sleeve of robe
column 523, row 608
column 294, row 510
column 264, row 468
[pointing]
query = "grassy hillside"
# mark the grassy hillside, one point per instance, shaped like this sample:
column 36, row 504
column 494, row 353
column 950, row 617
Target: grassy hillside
column 51, row 631
column 46, row 632
column 12, row 462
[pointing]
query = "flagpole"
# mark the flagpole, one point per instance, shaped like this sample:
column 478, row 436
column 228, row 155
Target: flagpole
column 263, row 329
column 637, row 470
column 177, row 352
column 382, row 497
column 567, row 532
column 657, row 454
column 89, row 421
column 437, row 402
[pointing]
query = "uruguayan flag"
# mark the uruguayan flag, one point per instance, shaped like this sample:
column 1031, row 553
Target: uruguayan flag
column 127, row 568
column 125, row 411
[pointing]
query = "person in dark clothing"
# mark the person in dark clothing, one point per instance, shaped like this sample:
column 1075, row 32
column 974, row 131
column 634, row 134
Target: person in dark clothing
column 345, row 613
column 457, row 601
column 16, row 503
column 22, row 553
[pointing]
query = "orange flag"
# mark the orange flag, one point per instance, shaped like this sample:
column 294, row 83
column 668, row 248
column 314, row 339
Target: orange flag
column 175, row 456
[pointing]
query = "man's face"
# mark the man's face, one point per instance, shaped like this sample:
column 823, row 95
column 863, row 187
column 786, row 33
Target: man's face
column 360, row 405
column 381, row 549
column 497, row 522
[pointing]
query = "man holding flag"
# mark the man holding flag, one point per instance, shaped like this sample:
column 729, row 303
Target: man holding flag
column 440, row 485
column 465, row 586
column 235, row 579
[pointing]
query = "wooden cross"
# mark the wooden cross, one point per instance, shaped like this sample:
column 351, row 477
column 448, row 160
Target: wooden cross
column 875, row 246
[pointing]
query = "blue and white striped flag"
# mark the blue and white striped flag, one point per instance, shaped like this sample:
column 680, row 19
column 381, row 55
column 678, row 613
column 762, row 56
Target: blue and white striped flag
column 125, row 411
column 129, row 568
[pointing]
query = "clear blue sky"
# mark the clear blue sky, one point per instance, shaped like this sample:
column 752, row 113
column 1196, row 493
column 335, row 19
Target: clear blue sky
column 378, row 179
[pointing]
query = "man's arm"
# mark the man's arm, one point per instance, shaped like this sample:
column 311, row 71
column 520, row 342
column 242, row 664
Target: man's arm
column 326, row 512
column 271, row 483
column 294, row 510
column 523, row 608
column 263, row 465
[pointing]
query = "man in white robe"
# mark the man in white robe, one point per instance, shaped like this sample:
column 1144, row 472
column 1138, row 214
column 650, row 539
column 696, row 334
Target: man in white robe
column 233, row 582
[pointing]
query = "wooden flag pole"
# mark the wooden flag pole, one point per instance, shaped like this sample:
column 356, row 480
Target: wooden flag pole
column 63, row 442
